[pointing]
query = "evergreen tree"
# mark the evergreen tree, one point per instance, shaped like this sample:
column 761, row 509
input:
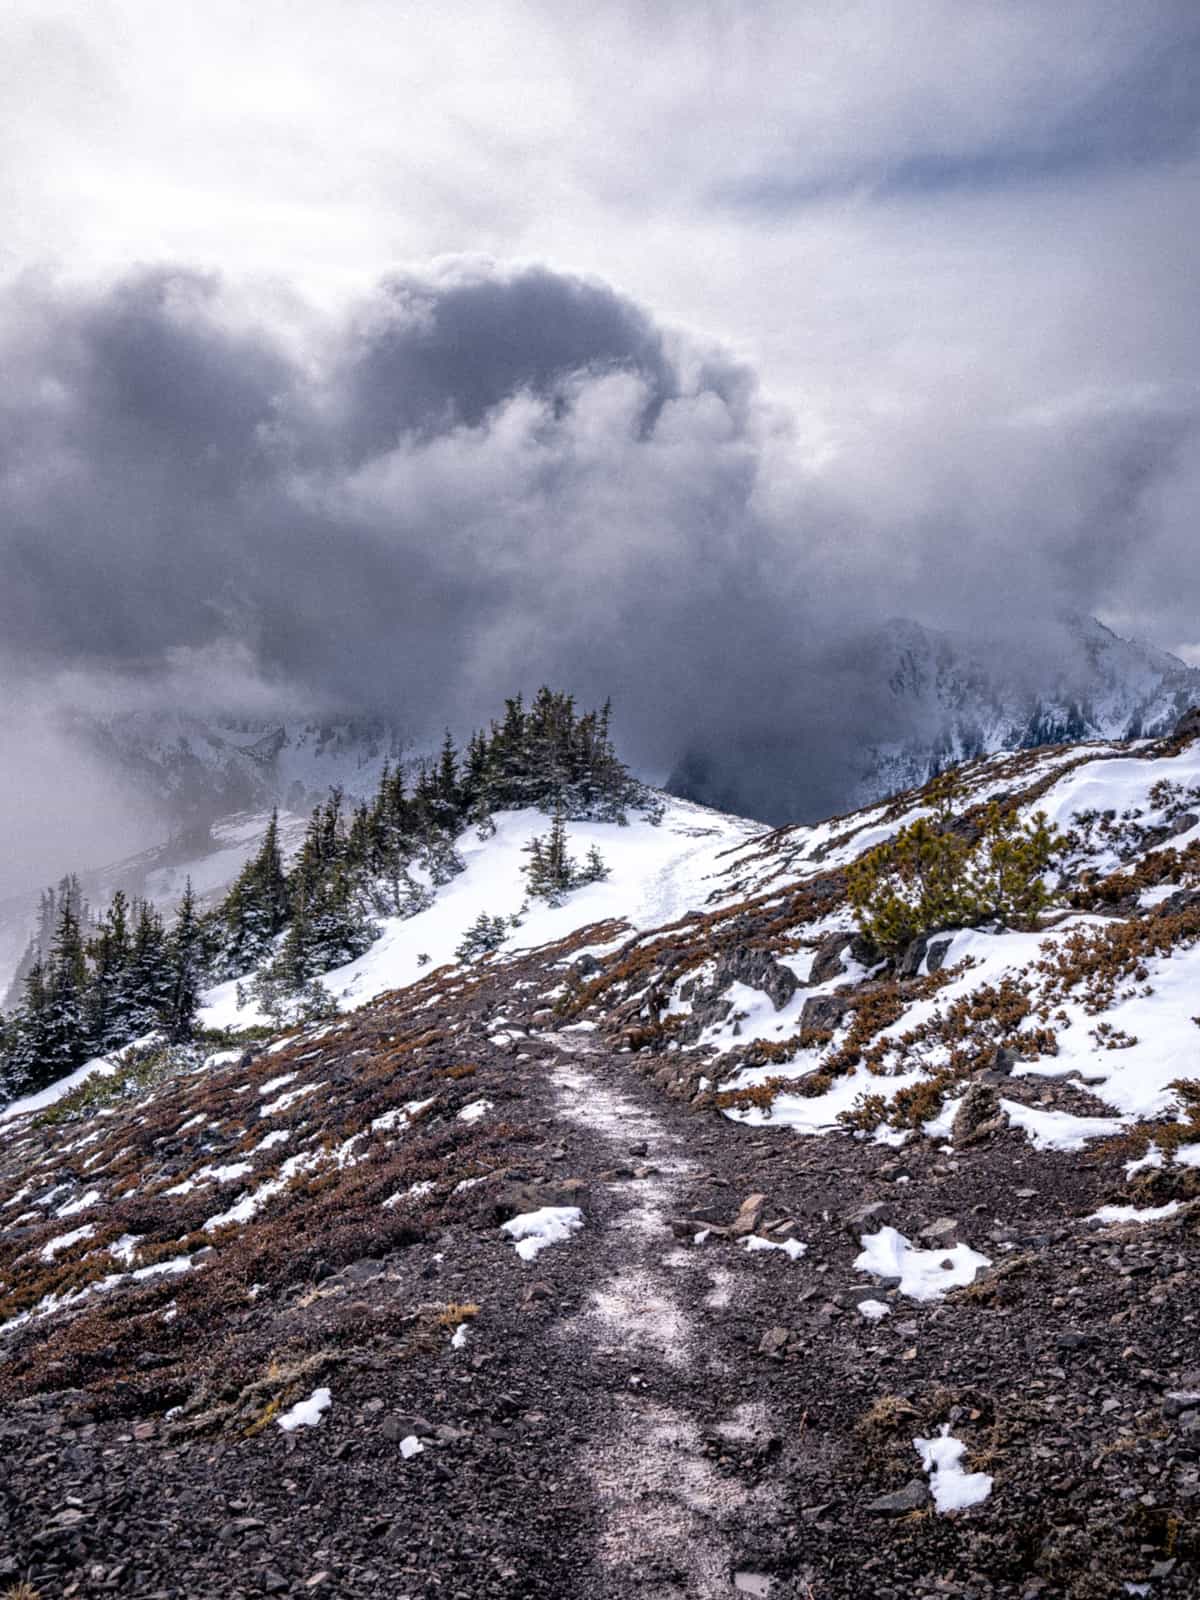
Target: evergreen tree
column 149, row 971
column 484, row 935
column 65, row 1041
column 109, row 1001
column 550, row 871
column 184, row 960
column 596, row 869
column 27, row 1062
column 256, row 907
column 477, row 779
column 446, row 786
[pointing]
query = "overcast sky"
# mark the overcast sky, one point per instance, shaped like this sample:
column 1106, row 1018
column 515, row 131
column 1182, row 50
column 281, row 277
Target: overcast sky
column 405, row 353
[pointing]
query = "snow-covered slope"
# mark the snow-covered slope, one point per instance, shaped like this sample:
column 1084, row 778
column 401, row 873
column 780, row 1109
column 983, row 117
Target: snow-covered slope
column 657, row 871
column 1103, row 995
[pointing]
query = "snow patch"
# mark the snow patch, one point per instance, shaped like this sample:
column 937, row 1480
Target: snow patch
column 1111, row 1214
column 473, row 1112
column 1059, row 1130
column 952, row 1488
column 306, row 1413
column 922, row 1274
column 874, row 1310
column 535, row 1230
column 65, row 1241
column 790, row 1247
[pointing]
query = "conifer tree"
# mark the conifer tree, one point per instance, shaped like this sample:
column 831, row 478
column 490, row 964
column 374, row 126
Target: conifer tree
column 27, row 1060
column 446, row 786
column 550, row 871
column 256, row 908
column 109, row 1003
column 65, row 1035
column 184, row 957
column 149, row 971
column 596, row 869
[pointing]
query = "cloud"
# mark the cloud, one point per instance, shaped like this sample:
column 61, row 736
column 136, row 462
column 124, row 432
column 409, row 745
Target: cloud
column 778, row 320
column 484, row 477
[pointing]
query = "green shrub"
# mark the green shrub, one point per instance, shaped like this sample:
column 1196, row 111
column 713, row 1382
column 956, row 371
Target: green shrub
column 929, row 877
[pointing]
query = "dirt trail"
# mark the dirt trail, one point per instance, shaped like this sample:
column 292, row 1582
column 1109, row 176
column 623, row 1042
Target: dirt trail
column 664, row 1507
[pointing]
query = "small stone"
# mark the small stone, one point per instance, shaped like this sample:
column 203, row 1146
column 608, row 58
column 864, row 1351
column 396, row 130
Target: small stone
column 857, row 1221
column 912, row 1497
column 942, row 1231
column 773, row 1340
column 749, row 1215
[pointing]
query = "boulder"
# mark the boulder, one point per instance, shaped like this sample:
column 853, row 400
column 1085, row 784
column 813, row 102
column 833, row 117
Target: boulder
column 823, row 1012
column 909, row 963
column 835, row 950
column 757, row 969
column 977, row 1118
column 935, row 956
column 926, row 949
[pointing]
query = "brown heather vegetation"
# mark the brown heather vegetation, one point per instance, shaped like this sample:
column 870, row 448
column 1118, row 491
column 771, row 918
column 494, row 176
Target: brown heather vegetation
column 1154, row 869
column 1095, row 963
column 326, row 1217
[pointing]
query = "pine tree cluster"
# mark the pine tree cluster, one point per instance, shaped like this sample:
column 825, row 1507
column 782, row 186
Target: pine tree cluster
column 99, row 985
column 551, row 871
column 90, row 987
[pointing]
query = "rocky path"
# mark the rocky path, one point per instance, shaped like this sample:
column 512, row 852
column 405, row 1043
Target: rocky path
column 668, row 1519
column 652, row 1409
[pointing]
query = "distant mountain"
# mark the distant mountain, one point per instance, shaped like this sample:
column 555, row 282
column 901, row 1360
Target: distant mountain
column 961, row 698
column 928, row 699
column 195, row 768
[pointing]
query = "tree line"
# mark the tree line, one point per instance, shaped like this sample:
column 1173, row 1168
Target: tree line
column 90, row 986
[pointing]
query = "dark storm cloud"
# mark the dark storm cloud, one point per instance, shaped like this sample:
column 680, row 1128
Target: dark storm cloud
column 461, row 457
column 426, row 356
column 480, row 480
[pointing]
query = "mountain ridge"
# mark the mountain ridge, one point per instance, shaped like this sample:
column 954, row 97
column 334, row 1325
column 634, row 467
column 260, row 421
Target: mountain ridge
column 930, row 698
